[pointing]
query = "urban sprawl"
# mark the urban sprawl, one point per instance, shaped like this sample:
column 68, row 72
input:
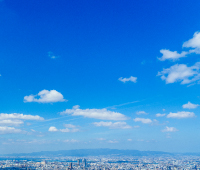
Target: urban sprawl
column 103, row 163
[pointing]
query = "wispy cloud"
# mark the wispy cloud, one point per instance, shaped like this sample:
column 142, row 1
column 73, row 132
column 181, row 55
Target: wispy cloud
column 111, row 125
column 169, row 129
column 181, row 115
column 123, row 104
column 103, row 114
column 71, row 141
column 113, row 141
column 8, row 130
column 132, row 79
column 20, row 116
column 45, row 96
column 160, row 115
column 143, row 120
column 141, row 113
column 9, row 122
column 52, row 56
column 101, row 139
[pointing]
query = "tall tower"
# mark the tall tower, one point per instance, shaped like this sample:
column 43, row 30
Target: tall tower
column 78, row 162
column 84, row 163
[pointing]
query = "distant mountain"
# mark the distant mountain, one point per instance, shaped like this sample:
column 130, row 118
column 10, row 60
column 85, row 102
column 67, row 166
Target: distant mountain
column 91, row 152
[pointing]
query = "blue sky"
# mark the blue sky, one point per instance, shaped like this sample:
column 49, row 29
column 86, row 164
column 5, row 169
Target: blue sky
column 99, row 74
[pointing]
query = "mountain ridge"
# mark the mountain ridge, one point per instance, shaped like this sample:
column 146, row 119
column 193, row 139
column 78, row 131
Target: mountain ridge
column 91, row 152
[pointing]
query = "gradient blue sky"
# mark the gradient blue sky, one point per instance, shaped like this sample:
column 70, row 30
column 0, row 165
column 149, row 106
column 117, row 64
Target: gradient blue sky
column 114, row 65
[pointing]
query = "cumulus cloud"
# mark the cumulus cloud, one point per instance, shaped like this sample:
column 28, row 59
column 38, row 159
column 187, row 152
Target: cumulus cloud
column 193, row 43
column 9, row 122
column 181, row 73
column 169, row 129
column 190, row 106
column 45, row 96
column 19, row 116
column 181, row 115
column 68, row 128
column 111, row 125
column 7, row 130
column 132, row 79
column 143, row 120
column 160, row 115
column 141, row 112
column 53, row 129
column 171, row 55
column 102, row 114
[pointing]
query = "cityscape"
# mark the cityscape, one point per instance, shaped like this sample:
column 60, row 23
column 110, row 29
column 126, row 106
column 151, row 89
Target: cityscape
column 104, row 163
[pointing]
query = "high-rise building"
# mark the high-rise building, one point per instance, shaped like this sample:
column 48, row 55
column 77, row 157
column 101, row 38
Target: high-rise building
column 70, row 166
column 84, row 163
column 78, row 162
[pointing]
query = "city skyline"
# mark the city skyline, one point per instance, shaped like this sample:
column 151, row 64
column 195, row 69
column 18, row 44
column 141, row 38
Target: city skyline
column 115, row 74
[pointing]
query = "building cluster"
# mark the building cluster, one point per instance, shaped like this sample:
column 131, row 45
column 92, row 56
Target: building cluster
column 103, row 163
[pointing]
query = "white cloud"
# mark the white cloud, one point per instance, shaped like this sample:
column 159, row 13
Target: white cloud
column 101, row 139
column 132, row 79
column 190, row 106
column 193, row 43
column 112, row 141
column 180, row 115
column 45, row 96
column 52, row 56
column 9, row 122
column 169, row 129
column 160, row 115
column 141, row 112
column 71, row 141
column 53, row 129
column 68, row 128
column 181, row 73
column 171, row 55
column 143, row 120
column 65, row 130
column 102, row 114
column 111, row 125
column 129, row 140
column 19, row 116
column 7, row 130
